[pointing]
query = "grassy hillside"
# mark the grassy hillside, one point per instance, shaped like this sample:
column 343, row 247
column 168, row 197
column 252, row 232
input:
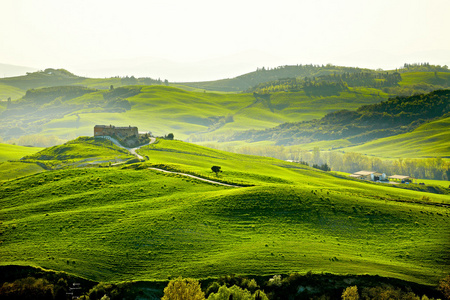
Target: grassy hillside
column 414, row 79
column 249, row 80
column 429, row 140
column 80, row 152
column 430, row 78
column 72, row 111
column 12, row 170
column 133, row 223
column 65, row 106
column 387, row 118
column 16, row 87
column 13, row 152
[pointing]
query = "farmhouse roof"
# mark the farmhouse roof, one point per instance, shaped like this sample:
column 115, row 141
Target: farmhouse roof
column 112, row 126
column 400, row 177
column 355, row 175
column 365, row 173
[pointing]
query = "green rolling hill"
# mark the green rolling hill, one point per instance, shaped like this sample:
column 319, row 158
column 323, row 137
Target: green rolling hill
column 14, row 152
column 58, row 103
column 135, row 223
column 429, row 140
column 72, row 111
column 388, row 118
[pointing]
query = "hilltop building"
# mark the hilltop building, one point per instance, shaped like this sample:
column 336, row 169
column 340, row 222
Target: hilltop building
column 120, row 132
column 369, row 175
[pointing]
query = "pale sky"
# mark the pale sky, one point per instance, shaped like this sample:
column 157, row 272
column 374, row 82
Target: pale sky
column 206, row 39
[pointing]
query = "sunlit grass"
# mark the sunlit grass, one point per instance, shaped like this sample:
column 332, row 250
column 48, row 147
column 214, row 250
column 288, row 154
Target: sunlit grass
column 114, row 224
column 14, row 152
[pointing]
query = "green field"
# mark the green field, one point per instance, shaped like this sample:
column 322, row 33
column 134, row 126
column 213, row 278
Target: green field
column 13, row 152
column 133, row 223
column 13, row 170
column 189, row 115
column 412, row 78
column 429, row 140
column 191, row 111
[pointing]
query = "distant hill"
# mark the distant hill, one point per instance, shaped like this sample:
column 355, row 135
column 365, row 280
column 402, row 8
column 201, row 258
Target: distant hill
column 15, row 87
column 428, row 140
column 249, row 81
column 59, row 103
column 395, row 116
column 67, row 110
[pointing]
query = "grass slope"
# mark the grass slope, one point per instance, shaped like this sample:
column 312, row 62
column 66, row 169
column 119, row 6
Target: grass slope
column 161, row 110
column 114, row 224
column 417, row 78
column 13, row 152
column 12, row 170
column 80, row 152
column 429, row 140
column 194, row 114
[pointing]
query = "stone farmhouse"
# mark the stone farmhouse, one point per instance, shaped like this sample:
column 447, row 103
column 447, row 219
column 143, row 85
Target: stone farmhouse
column 120, row 132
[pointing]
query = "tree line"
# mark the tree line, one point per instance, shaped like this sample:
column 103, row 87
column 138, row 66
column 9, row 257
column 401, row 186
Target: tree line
column 277, row 287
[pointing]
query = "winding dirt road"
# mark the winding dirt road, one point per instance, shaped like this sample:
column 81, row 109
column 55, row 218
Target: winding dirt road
column 196, row 177
column 131, row 150
column 152, row 140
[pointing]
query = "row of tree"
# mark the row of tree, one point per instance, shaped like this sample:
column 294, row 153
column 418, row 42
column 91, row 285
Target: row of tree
column 323, row 286
column 142, row 80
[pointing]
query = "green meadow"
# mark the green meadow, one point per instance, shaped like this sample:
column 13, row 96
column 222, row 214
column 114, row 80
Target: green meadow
column 438, row 78
column 130, row 222
column 14, row 152
column 187, row 114
column 429, row 140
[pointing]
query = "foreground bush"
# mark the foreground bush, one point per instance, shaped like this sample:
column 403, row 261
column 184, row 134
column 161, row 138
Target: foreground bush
column 183, row 289
column 236, row 293
column 27, row 288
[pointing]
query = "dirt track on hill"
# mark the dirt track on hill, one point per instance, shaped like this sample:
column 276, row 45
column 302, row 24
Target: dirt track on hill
column 152, row 140
column 196, row 177
column 131, row 150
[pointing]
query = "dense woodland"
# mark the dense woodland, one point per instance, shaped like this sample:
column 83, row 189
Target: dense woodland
column 395, row 116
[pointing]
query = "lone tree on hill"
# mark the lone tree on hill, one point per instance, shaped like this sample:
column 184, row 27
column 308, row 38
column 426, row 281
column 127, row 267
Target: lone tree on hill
column 216, row 169
column 170, row 136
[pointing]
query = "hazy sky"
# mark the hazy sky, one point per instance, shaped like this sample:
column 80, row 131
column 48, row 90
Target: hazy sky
column 113, row 36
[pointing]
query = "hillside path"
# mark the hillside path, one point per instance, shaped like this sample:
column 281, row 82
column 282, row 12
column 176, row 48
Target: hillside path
column 196, row 177
column 152, row 140
column 131, row 150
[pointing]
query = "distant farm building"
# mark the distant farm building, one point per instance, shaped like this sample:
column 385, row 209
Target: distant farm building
column 369, row 175
column 121, row 132
column 401, row 178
